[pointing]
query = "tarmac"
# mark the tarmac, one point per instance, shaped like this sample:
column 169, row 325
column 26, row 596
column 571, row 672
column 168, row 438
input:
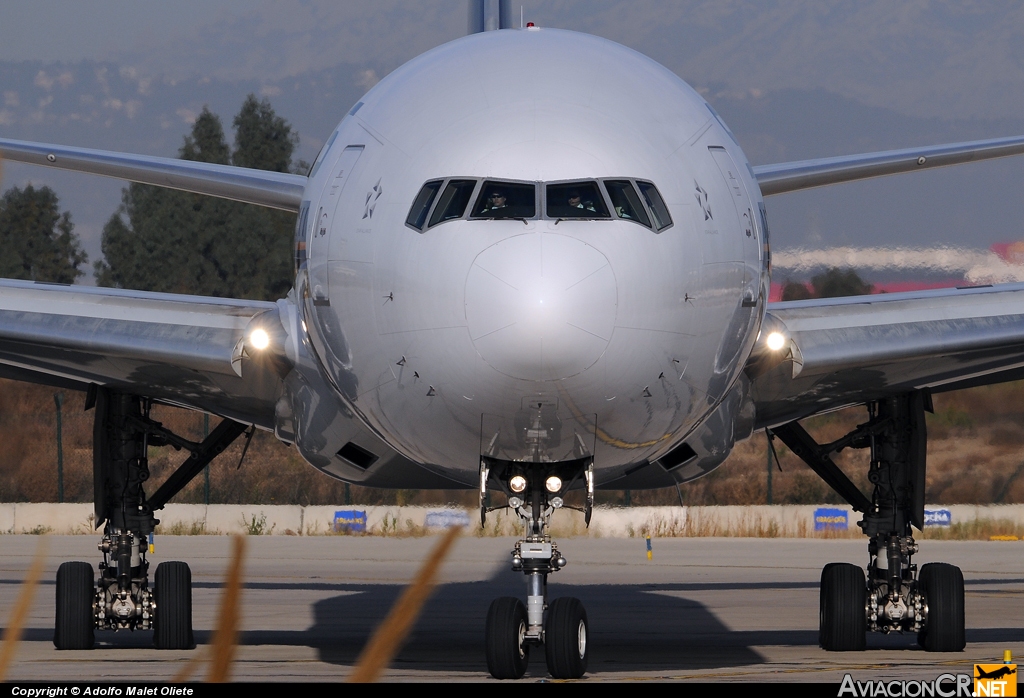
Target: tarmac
column 703, row 609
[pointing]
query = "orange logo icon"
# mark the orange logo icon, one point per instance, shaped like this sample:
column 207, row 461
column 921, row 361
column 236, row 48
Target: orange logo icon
column 995, row 680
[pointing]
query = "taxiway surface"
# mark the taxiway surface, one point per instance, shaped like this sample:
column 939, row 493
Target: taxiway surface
column 710, row 609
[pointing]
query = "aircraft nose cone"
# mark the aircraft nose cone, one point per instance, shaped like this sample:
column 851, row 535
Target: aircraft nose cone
column 540, row 306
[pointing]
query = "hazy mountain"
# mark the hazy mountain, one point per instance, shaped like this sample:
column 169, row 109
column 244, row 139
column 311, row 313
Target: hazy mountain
column 793, row 79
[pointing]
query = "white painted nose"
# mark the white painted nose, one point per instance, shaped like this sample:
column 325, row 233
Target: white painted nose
column 541, row 306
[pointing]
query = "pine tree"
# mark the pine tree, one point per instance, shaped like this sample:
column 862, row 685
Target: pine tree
column 189, row 243
column 37, row 241
column 263, row 140
column 835, row 283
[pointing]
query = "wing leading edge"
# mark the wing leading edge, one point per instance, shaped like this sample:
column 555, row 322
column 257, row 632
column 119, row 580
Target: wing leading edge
column 846, row 351
column 806, row 174
column 272, row 189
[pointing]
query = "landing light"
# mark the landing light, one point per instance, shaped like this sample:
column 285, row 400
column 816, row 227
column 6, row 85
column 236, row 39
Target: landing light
column 517, row 483
column 775, row 341
column 259, row 339
column 553, row 483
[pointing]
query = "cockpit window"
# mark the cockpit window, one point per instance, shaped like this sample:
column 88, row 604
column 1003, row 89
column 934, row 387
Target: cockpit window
column 659, row 210
column 445, row 199
column 626, row 201
column 453, row 201
column 421, row 206
column 506, row 200
column 575, row 200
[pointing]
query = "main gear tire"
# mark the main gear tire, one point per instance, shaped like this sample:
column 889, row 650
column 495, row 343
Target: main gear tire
column 942, row 586
column 74, row 625
column 172, row 592
column 842, row 620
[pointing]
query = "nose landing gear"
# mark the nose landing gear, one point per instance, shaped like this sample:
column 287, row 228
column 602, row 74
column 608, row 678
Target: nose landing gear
column 561, row 626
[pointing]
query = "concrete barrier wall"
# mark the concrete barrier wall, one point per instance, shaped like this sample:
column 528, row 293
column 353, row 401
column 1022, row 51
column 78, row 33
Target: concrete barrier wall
column 607, row 522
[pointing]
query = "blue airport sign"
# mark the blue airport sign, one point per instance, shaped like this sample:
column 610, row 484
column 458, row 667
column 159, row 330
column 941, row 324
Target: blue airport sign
column 350, row 522
column 938, row 517
column 830, row 519
column 446, row 518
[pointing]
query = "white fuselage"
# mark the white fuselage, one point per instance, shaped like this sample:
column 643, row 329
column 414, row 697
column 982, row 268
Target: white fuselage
column 535, row 339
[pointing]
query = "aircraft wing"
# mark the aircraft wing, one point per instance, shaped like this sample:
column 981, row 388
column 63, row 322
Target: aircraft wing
column 272, row 189
column 184, row 350
column 846, row 351
column 805, row 174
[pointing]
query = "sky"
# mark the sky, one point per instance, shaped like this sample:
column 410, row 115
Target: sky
column 793, row 79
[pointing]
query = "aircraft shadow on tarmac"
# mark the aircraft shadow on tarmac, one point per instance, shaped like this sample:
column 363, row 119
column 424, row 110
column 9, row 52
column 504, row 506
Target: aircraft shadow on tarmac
column 632, row 627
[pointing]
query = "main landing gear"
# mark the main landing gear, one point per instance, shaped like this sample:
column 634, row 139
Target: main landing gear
column 535, row 490
column 893, row 596
column 122, row 598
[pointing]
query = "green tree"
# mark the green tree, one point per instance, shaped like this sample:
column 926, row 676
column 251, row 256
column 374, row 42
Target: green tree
column 795, row 291
column 164, row 240
column 835, row 283
column 263, row 140
column 37, row 241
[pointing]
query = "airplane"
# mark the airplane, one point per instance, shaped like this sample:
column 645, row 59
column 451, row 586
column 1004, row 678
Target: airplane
column 518, row 287
column 995, row 673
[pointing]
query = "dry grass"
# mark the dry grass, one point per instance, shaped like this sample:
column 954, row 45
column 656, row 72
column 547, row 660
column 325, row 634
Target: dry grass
column 976, row 456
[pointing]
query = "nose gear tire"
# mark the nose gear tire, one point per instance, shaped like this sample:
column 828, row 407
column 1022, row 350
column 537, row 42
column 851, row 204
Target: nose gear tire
column 73, row 629
column 942, row 586
column 507, row 652
column 842, row 623
column 565, row 638
column 172, row 591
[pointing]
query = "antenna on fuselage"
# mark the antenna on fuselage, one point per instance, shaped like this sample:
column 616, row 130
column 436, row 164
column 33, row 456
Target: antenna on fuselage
column 478, row 16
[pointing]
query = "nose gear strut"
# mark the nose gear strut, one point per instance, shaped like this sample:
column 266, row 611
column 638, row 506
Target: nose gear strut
column 560, row 626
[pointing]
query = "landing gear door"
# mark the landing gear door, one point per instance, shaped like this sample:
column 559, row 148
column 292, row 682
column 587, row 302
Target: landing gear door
column 322, row 229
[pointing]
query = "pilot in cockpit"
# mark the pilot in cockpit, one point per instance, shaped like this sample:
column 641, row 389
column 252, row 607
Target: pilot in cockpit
column 496, row 201
column 575, row 201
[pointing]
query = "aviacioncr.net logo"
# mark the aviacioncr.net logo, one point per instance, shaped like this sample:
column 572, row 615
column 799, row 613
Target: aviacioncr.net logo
column 945, row 686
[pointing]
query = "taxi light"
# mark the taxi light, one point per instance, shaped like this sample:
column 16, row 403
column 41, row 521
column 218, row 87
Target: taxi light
column 259, row 339
column 553, row 483
column 517, row 483
column 775, row 341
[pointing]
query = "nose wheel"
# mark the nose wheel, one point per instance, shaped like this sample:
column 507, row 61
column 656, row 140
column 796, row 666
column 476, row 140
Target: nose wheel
column 565, row 638
column 566, row 629
column 513, row 627
column 507, row 650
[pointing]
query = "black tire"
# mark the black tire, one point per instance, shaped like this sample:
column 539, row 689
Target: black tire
column 172, row 591
column 842, row 624
column 565, row 638
column 507, row 652
column 74, row 625
column 942, row 586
